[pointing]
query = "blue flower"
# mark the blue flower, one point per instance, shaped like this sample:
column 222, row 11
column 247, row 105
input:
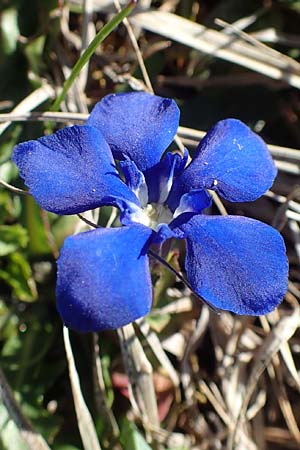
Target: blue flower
column 103, row 281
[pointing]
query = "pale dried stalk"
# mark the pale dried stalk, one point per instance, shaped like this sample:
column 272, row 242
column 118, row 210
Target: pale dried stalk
column 218, row 45
column 183, row 304
column 29, row 103
column 252, row 40
column 287, row 357
column 112, row 217
column 295, row 229
column 193, row 342
column 283, row 213
column 277, row 380
column 234, row 377
column 85, row 422
column 30, row 436
column 135, row 45
column 38, row 116
column 142, row 65
column 100, row 396
column 139, row 372
column 219, row 204
column 225, row 416
column 87, row 35
column 242, row 23
column 282, row 199
column 75, row 98
column 273, row 36
column 280, row 334
column 158, row 351
column 285, row 404
column 277, row 151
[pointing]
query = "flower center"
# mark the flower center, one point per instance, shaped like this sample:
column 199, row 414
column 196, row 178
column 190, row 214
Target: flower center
column 152, row 215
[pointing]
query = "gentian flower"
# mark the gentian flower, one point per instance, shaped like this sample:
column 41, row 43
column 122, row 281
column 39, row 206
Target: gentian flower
column 103, row 280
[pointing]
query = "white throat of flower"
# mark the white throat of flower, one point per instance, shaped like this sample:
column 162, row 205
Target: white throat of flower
column 152, row 215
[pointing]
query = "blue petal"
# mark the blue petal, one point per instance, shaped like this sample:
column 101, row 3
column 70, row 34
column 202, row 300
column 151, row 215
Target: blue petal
column 71, row 171
column 135, row 180
column 231, row 160
column 193, row 202
column 138, row 125
column 163, row 233
column 160, row 177
column 235, row 263
column 103, row 278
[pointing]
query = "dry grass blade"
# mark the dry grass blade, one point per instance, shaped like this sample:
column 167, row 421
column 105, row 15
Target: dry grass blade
column 277, row 151
column 183, row 304
column 192, row 343
column 223, row 414
column 63, row 117
column 218, row 44
column 192, row 134
column 276, row 376
column 280, row 334
column 290, row 364
column 281, row 438
column 139, row 372
column 285, row 404
column 274, row 36
column 288, row 167
column 158, row 351
column 30, row 436
column 100, row 394
column 232, row 28
column 295, row 206
column 281, row 217
column 295, row 229
column 284, row 152
column 29, row 103
column 87, row 35
column 85, row 423
column 136, row 49
column 287, row 356
column 219, row 204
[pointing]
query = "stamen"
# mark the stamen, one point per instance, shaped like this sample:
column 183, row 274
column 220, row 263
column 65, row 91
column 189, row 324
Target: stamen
column 152, row 215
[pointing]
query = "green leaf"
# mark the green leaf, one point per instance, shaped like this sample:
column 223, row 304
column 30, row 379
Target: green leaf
column 18, row 276
column 12, row 237
column 8, row 171
column 65, row 447
column 131, row 438
column 8, row 140
column 10, row 207
column 62, row 227
column 33, row 220
column 177, row 448
column 44, row 423
column 158, row 322
column 8, row 324
column 10, row 31
column 34, row 53
column 106, row 368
